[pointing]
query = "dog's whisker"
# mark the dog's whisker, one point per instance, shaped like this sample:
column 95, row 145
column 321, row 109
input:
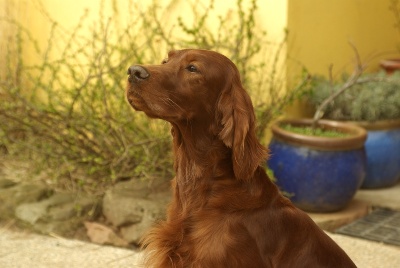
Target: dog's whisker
column 170, row 101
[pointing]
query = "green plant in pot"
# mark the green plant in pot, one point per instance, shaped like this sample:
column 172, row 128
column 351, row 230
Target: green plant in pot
column 373, row 104
column 321, row 173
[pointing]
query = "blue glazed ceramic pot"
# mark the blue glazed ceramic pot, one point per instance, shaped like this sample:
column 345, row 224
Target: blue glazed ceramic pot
column 319, row 174
column 383, row 153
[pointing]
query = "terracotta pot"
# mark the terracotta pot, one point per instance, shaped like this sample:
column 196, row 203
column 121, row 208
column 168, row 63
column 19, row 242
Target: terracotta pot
column 390, row 65
column 320, row 174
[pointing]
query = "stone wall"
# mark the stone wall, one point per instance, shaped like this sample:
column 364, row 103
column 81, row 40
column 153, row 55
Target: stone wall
column 120, row 217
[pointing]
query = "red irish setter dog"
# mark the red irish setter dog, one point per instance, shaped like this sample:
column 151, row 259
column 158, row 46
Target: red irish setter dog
column 225, row 211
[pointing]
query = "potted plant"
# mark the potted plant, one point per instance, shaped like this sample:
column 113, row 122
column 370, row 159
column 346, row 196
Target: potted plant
column 375, row 106
column 321, row 173
column 390, row 65
column 320, row 163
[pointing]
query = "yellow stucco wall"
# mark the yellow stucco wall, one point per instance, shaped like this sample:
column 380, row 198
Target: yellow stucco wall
column 320, row 32
column 37, row 15
column 31, row 13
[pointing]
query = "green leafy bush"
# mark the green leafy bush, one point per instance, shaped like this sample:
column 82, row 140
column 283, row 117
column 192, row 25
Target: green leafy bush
column 68, row 112
column 376, row 99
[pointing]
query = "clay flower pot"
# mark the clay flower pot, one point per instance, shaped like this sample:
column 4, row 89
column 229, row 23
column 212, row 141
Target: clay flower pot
column 390, row 65
column 320, row 174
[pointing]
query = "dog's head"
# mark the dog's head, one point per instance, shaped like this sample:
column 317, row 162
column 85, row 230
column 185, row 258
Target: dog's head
column 204, row 87
column 184, row 87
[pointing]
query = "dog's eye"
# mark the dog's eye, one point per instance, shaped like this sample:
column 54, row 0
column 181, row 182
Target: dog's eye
column 191, row 68
column 164, row 61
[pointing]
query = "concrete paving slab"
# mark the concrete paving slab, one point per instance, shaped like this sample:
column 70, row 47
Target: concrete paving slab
column 26, row 250
column 368, row 254
column 384, row 198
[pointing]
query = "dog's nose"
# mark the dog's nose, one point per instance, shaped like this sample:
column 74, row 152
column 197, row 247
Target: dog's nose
column 137, row 72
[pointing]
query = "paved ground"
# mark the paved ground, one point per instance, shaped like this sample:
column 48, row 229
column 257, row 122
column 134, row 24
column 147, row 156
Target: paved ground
column 20, row 250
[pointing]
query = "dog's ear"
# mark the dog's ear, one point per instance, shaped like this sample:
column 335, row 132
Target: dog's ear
column 236, row 115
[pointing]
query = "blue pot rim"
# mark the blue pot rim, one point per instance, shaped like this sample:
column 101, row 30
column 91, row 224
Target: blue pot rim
column 355, row 140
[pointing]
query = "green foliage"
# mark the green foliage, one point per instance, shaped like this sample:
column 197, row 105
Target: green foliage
column 375, row 99
column 318, row 131
column 68, row 112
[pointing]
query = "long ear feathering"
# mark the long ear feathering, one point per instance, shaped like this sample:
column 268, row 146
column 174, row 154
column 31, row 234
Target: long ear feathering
column 238, row 129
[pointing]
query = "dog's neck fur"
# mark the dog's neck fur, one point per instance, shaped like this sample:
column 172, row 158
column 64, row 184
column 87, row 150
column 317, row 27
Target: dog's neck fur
column 202, row 160
column 200, row 157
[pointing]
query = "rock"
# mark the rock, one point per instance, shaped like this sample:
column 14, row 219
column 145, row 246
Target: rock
column 61, row 213
column 66, row 228
column 127, row 202
column 123, row 210
column 25, row 193
column 103, row 235
column 32, row 212
column 6, row 183
column 133, row 233
column 152, row 211
column 133, row 206
column 71, row 209
column 13, row 196
column 132, row 187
